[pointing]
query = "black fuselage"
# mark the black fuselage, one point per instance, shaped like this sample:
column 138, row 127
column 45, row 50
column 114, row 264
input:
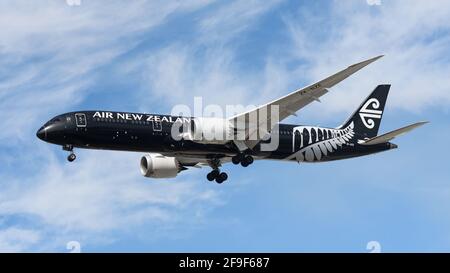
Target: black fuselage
column 152, row 133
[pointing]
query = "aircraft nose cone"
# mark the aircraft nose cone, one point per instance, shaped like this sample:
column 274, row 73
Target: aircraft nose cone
column 41, row 133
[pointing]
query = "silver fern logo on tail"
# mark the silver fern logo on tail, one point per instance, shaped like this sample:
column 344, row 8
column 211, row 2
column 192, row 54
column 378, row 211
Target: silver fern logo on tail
column 367, row 115
column 325, row 141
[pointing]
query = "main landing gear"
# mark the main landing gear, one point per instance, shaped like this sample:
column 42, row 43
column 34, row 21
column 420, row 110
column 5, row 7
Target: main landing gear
column 71, row 157
column 245, row 160
column 215, row 174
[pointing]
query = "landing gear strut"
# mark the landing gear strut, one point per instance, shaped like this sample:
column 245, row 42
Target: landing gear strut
column 215, row 174
column 71, row 157
column 245, row 160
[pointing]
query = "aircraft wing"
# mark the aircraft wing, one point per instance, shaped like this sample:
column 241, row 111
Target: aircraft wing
column 391, row 135
column 289, row 104
column 197, row 160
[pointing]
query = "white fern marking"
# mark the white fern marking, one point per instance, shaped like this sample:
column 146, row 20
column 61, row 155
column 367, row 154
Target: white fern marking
column 322, row 148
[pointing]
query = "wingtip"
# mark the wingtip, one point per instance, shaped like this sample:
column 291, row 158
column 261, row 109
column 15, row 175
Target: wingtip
column 418, row 124
column 371, row 60
column 423, row 122
column 366, row 62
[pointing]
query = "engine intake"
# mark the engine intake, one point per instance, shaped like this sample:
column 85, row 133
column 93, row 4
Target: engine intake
column 159, row 166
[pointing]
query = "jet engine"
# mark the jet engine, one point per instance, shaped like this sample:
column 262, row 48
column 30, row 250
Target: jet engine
column 159, row 166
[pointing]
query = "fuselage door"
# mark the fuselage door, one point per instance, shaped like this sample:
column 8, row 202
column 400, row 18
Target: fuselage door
column 80, row 120
column 157, row 126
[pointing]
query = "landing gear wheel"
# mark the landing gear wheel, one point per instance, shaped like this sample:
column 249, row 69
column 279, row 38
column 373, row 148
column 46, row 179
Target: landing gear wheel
column 245, row 160
column 235, row 159
column 221, row 178
column 71, row 157
column 212, row 175
column 248, row 159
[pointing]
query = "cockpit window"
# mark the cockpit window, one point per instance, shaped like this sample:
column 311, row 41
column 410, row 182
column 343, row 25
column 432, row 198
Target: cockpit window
column 52, row 121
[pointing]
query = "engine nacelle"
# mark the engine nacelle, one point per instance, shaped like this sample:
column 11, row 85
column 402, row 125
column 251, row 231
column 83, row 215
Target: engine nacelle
column 209, row 130
column 159, row 166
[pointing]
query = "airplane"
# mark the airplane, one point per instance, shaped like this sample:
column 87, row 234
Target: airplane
column 170, row 153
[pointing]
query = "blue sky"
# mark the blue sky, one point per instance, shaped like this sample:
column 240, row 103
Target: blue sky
column 151, row 55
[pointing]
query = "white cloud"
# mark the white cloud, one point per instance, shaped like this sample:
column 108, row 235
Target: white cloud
column 178, row 73
column 373, row 2
column 102, row 193
column 233, row 18
column 15, row 239
column 50, row 55
column 50, row 50
column 414, row 42
column 207, row 66
column 414, row 63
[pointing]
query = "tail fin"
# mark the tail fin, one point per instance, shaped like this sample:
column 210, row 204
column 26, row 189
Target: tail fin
column 367, row 117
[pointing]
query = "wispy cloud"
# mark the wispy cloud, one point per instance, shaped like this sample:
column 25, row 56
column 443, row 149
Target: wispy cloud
column 51, row 53
column 414, row 42
column 208, row 65
column 14, row 239
column 232, row 18
column 102, row 193
column 50, row 50
column 316, row 47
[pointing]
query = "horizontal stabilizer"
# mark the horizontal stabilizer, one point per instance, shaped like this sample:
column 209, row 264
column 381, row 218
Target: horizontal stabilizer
column 391, row 135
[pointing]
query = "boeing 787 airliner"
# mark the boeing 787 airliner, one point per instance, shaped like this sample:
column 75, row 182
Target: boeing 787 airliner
column 176, row 143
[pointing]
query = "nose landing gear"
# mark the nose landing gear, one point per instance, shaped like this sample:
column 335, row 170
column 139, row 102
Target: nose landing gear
column 71, row 157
